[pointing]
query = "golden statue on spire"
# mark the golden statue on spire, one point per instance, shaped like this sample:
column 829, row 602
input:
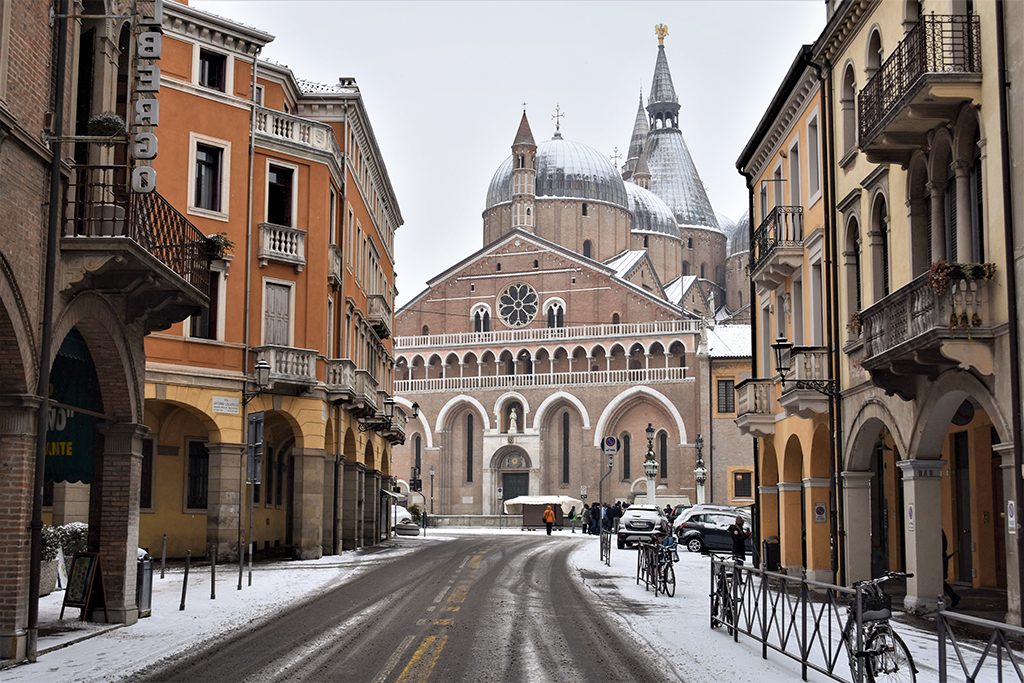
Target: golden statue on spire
column 661, row 30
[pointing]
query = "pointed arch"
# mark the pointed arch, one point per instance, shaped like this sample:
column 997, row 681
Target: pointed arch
column 452, row 403
column 638, row 391
column 558, row 396
column 403, row 401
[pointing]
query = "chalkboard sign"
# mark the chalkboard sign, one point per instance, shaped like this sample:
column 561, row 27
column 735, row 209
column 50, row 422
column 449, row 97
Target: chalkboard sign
column 84, row 591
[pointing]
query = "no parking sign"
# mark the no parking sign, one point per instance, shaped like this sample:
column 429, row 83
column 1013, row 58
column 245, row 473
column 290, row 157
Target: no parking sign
column 1011, row 517
column 819, row 512
column 910, row 516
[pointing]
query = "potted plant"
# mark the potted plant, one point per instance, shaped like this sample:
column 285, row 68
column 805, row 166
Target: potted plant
column 219, row 244
column 854, row 324
column 48, row 568
column 942, row 272
column 107, row 125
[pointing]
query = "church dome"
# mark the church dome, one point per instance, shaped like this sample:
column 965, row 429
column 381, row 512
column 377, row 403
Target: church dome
column 739, row 241
column 650, row 213
column 565, row 169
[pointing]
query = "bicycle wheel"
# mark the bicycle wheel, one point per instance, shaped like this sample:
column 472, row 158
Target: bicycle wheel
column 668, row 580
column 890, row 660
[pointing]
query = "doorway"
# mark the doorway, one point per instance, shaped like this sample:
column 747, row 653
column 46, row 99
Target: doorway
column 515, row 484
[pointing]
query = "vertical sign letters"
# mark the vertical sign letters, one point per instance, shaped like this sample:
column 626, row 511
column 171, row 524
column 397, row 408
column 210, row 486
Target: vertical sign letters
column 146, row 110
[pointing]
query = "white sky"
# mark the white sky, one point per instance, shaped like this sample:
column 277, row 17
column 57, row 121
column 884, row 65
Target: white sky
column 444, row 84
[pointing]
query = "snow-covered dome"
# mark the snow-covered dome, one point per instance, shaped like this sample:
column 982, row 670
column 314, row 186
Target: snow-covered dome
column 565, row 169
column 739, row 240
column 650, row 213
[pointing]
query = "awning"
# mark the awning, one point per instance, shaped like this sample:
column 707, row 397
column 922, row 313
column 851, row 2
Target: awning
column 396, row 496
column 514, row 506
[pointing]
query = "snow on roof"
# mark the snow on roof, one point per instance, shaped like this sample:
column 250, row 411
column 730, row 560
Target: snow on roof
column 625, row 262
column 676, row 290
column 729, row 341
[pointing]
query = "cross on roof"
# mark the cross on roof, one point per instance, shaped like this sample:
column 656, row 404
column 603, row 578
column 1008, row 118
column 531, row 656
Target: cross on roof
column 524, row 107
column 615, row 158
column 557, row 116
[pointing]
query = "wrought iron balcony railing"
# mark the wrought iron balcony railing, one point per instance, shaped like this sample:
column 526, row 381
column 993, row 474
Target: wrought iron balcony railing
column 780, row 234
column 99, row 204
column 939, row 44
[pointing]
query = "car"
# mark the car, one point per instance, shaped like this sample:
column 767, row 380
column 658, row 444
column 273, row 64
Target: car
column 399, row 515
column 676, row 511
column 706, row 527
column 640, row 523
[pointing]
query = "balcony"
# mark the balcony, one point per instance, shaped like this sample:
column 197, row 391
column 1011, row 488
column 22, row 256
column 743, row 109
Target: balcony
column 396, row 435
column 334, row 267
column 543, row 379
column 922, row 85
column 918, row 331
column 755, row 405
column 777, row 248
column 379, row 314
column 289, row 366
column 340, row 380
column 282, row 244
column 134, row 245
column 809, row 363
column 302, row 135
column 364, row 399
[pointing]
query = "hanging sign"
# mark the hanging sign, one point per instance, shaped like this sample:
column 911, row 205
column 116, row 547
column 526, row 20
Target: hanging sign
column 145, row 111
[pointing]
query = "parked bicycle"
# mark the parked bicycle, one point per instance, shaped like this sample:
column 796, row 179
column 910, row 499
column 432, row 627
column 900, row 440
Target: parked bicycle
column 668, row 555
column 885, row 656
column 723, row 608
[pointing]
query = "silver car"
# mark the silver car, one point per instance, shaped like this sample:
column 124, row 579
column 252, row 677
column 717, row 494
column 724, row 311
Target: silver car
column 640, row 523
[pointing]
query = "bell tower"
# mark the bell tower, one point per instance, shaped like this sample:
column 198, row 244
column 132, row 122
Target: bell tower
column 524, row 177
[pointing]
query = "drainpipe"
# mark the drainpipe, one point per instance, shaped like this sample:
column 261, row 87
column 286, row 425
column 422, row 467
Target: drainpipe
column 46, row 346
column 1011, row 283
column 755, row 517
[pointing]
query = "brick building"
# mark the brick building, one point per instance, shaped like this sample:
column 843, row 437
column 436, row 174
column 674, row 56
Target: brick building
column 588, row 312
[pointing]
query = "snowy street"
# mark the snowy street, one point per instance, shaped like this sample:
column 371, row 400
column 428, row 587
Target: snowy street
column 457, row 605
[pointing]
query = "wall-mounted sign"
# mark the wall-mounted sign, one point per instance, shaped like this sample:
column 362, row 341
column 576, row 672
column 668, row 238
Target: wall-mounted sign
column 1011, row 517
column 819, row 512
column 146, row 108
column 226, row 405
column 910, row 516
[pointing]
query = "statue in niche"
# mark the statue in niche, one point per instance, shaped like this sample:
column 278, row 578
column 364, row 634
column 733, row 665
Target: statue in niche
column 513, row 417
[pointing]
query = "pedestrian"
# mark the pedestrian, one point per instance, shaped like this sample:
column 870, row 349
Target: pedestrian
column 617, row 515
column 549, row 518
column 586, row 518
column 595, row 519
column 739, row 538
column 572, row 519
column 946, row 588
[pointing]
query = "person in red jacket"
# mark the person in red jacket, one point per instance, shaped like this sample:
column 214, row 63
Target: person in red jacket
column 549, row 518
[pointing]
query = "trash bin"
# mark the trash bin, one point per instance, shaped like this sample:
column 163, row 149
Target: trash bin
column 144, row 587
column 771, row 553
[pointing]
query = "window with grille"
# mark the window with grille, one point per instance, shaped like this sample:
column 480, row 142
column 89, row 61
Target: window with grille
column 663, row 450
column 742, row 486
column 198, row 475
column 469, row 447
column 726, row 396
column 625, row 456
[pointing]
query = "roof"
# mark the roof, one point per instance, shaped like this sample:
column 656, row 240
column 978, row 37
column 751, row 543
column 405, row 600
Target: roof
column 524, row 136
column 677, row 289
column 674, row 178
column 640, row 128
column 625, row 262
column 729, row 341
column 662, row 89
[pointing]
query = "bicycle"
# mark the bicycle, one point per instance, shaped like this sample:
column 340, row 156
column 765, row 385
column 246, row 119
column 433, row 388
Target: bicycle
column 667, row 557
column 886, row 657
column 722, row 603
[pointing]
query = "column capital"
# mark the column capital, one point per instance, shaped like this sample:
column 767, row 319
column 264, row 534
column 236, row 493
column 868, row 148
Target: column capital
column 18, row 414
column 123, row 437
column 857, row 480
column 1005, row 451
column 790, row 486
column 767, row 490
column 921, row 469
column 817, row 482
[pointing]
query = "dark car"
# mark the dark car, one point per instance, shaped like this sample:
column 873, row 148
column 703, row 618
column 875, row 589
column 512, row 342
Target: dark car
column 705, row 527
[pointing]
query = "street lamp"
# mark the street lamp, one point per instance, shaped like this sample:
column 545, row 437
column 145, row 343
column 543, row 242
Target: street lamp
column 386, row 419
column 431, row 489
column 783, row 349
column 700, row 472
column 650, row 465
column 262, row 371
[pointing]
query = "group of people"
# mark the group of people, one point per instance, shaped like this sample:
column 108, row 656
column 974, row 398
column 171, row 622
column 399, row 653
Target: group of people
column 599, row 516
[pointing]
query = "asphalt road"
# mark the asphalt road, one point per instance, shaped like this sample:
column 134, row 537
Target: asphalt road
column 470, row 609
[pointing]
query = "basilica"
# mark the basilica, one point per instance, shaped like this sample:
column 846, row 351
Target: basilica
column 603, row 302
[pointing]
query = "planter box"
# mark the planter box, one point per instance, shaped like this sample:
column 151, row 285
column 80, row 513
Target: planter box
column 407, row 529
column 47, row 577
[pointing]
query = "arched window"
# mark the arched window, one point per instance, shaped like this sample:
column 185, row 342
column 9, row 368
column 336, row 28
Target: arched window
column 418, row 450
column 536, row 263
column 882, row 225
column 686, row 268
column 584, row 208
column 977, row 201
column 873, row 58
column 556, row 315
column 702, row 271
column 469, row 447
column 521, row 161
column 663, row 451
column 426, row 330
column 645, row 241
column 625, row 456
column 525, row 362
column 689, row 243
column 615, row 318
column 851, row 255
column 848, row 105
column 588, row 248
column 565, row 447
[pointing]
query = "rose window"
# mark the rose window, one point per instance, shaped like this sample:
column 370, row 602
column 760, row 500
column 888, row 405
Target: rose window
column 518, row 304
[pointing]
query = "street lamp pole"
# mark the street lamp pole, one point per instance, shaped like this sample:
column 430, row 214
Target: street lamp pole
column 650, row 466
column 700, row 472
column 431, row 489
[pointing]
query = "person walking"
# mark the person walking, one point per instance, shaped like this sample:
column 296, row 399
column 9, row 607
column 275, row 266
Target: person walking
column 739, row 538
column 549, row 519
column 572, row 519
column 595, row 519
column 586, row 518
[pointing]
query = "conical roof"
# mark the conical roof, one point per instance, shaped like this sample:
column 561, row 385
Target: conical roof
column 642, row 169
column 524, row 136
column 662, row 89
column 640, row 128
column 674, row 178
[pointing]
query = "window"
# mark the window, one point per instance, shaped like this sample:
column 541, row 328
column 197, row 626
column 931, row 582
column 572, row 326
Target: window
column 689, row 243
column 482, row 321
column 330, row 328
column 198, row 475
column 279, row 482
column 418, row 443
column 536, row 264
column 499, row 268
column 813, row 160
column 146, row 484
column 794, row 175
column 279, row 196
column 565, row 447
column 584, row 208
column 556, row 315
column 645, row 242
column 588, row 248
column 277, row 315
column 257, row 95
column 207, row 186
column 848, row 105
column 742, row 485
column 469, row 447
column 663, row 450
column 268, row 475
column 425, row 330
column 203, row 325
column 726, row 396
column 625, row 456
column 615, row 318
column 213, row 70
column 332, row 216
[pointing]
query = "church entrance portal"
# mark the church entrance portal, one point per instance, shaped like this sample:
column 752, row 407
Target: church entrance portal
column 515, row 484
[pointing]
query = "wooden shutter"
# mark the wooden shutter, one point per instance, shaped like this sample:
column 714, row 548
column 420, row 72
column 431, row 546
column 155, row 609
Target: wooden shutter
column 277, row 315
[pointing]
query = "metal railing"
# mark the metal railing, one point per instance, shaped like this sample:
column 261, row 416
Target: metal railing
column 783, row 227
column 937, row 44
column 549, row 334
column 547, row 379
column 98, row 203
column 809, row 363
column 606, row 547
column 997, row 647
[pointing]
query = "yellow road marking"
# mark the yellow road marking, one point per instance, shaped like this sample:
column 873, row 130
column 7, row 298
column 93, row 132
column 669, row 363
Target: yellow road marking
column 444, row 622
column 475, row 562
column 423, row 660
column 454, row 608
column 458, row 594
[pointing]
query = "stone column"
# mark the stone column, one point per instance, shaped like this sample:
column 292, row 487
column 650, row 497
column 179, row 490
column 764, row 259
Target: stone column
column 819, row 534
column 333, row 468
column 120, row 474
column 937, row 189
column 17, row 463
column 922, row 489
column 769, row 510
column 857, row 516
column 964, row 240
column 1013, row 568
column 352, row 509
column 790, row 530
column 224, row 499
column 371, row 507
column 308, row 503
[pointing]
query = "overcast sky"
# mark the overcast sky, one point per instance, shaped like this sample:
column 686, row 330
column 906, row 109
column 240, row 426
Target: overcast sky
column 445, row 82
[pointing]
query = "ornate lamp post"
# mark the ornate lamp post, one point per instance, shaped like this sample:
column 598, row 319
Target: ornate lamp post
column 431, row 489
column 650, row 465
column 700, row 472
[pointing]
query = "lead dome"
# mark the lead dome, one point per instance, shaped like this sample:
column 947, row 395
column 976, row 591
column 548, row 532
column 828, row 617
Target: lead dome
column 650, row 213
column 564, row 169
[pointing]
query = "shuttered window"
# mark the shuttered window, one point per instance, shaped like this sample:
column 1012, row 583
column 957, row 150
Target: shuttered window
column 277, row 316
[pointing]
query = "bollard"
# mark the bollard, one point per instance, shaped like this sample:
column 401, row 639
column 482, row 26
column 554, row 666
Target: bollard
column 163, row 557
column 213, row 574
column 184, row 583
column 241, row 563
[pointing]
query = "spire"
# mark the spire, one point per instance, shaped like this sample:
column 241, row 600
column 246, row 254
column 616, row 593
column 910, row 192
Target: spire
column 524, row 136
column 642, row 172
column 662, row 89
column 636, row 141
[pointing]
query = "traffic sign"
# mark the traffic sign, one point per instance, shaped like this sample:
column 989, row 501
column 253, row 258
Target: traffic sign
column 583, row 490
column 611, row 445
